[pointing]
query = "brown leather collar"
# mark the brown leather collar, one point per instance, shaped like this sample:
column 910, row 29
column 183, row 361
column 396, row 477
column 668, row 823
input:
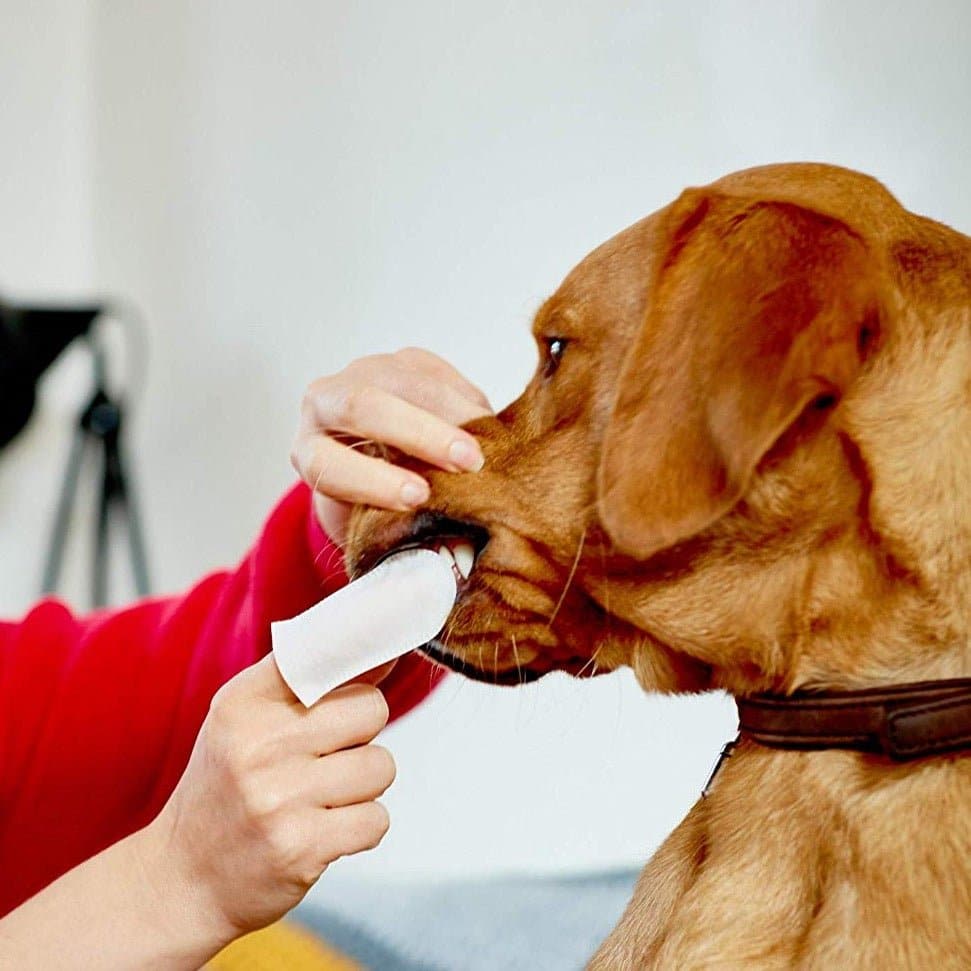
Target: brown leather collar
column 903, row 721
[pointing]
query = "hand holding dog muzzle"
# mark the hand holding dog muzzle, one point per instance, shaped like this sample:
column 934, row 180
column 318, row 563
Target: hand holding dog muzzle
column 411, row 400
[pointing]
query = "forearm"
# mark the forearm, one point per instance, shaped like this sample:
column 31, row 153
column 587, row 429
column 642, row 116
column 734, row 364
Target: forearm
column 100, row 712
column 123, row 909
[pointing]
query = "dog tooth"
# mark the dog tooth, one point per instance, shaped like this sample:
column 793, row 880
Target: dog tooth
column 464, row 554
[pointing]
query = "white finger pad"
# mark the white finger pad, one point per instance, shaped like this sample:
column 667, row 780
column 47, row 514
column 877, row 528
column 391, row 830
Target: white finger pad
column 400, row 605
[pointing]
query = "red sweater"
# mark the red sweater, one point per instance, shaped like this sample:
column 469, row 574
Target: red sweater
column 98, row 714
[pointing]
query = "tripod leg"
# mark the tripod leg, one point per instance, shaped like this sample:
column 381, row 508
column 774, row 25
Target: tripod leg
column 136, row 542
column 99, row 567
column 62, row 516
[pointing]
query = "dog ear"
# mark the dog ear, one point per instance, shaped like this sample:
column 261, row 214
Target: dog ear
column 759, row 312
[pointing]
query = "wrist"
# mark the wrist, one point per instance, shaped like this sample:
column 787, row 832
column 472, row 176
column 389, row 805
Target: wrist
column 178, row 905
column 127, row 907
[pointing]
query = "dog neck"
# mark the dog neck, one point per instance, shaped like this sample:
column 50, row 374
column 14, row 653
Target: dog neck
column 903, row 721
column 794, row 851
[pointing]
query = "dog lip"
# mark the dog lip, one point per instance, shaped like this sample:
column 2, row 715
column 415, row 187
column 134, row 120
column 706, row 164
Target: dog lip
column 430, row 530
column 435, row 652
column 577, row 667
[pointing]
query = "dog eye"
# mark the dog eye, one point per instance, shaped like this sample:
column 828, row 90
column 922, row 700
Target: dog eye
column 555, row 346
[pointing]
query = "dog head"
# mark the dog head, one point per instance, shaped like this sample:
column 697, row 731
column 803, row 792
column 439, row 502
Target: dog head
column 742, row 460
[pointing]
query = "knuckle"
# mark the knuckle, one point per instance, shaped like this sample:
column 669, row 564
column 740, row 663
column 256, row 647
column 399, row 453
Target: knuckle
column 317, row 387
column 316, row 470
column 316, row 462
column 356, row 715
column 383, row 711
column 351, row 405
column 307, row 871
column 367, row 369
column 383, row 765
column 360, row 365
column 298, row 457
column 308, row 401
column 234, row 744
column 232, row 763
column 315, row 398
column 262, row 805
column 284, row 848
column 302, row 444
column 332, row 406
column 222, row 710
column 411, row 356
column 376, row 824
column 222, row 698
column 379, row 712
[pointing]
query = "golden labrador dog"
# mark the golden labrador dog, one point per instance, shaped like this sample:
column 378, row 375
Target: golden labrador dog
column 744, row 463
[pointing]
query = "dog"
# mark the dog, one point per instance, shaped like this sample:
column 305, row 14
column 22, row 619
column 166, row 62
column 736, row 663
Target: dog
column 744, row 463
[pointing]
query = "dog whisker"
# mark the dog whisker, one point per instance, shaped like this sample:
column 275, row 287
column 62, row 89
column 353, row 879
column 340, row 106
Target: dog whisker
column 332, row 563
column 515, row 654
column 362, row 442
column 352, row 441
column 334, row 558
column 569, row 579
column 592, row 661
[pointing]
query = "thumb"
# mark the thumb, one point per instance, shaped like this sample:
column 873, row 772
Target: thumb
column 376, row 675
column 265, row 681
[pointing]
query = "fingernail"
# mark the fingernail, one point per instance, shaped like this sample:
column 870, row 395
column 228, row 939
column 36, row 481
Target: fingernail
column 414, row 493
column 466, row 455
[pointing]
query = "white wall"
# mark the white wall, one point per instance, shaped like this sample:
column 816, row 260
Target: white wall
column 45, row 92
column 286, row 188
column 46, row 235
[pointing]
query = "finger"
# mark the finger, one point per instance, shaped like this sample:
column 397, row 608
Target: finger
column 350, row 829
column 416, row 431
column 440, row 399
column 333, row 516
column 376, row 675
column 348, row 403
column 423, row 360
column 351, row 776
column 342, row 473
column 346, row 717
column 263, row 680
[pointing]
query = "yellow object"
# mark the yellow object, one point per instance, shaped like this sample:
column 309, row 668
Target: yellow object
column 281, row 947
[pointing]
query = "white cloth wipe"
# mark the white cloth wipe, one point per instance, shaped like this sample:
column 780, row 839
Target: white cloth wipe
column 400, row 605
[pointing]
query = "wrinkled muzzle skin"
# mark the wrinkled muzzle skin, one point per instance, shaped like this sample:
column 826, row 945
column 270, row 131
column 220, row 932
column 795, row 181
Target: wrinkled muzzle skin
column 538, row 599
column 708, row 476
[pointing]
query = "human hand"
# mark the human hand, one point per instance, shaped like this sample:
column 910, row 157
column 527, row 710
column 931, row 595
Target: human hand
column 273, row 793
column 412, row 400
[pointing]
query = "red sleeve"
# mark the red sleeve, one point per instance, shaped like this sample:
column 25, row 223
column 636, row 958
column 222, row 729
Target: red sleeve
column 98, row 714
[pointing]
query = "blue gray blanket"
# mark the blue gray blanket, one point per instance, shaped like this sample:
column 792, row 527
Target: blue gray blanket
column 534, row 923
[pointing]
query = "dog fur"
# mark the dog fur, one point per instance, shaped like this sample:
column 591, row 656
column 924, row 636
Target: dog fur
column 749, row 470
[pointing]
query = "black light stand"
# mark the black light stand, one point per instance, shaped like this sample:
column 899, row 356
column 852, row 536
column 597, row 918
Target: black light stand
column 98, row 432
column 32, row 337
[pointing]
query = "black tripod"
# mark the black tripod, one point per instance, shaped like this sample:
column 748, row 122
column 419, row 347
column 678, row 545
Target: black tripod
column 98, row 431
